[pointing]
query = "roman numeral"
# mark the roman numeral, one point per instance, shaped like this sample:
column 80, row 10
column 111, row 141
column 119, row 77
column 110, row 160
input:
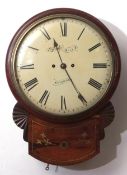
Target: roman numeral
column 81, row 34
column 99, row 65
column 44, row 97
column 63, row 103
column 33, row 48
column 95, row 84
column 29, row 66
column 63, row 29
column 31, row 84
column 94, row 47
column 45, row 33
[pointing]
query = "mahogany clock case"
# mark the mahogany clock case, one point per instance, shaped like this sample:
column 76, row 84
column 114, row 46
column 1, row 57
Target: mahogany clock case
column 114, row 50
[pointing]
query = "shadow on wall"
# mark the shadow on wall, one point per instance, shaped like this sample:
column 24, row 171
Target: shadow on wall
column 112, row 133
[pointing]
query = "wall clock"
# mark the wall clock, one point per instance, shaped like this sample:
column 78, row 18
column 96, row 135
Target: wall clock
column 63, row 66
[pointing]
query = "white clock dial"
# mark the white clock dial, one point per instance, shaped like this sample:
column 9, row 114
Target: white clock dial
column 63, row 65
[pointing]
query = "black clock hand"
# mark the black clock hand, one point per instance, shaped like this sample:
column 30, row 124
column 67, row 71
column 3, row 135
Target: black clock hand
column 63, row 66
column 80, row 96
column 56, row 46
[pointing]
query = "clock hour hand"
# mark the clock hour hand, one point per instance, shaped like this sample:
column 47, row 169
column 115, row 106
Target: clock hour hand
column 55, row 43
column 56, row 46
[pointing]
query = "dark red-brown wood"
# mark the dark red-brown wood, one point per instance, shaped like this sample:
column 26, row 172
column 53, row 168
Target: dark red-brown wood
column 65, row 144
column 95, row 108
column 62, row 144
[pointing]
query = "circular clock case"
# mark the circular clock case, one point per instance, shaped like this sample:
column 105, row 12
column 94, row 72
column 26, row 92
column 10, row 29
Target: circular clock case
column 63, row 65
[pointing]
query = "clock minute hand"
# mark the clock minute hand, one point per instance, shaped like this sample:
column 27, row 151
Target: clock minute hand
column 80, row 96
